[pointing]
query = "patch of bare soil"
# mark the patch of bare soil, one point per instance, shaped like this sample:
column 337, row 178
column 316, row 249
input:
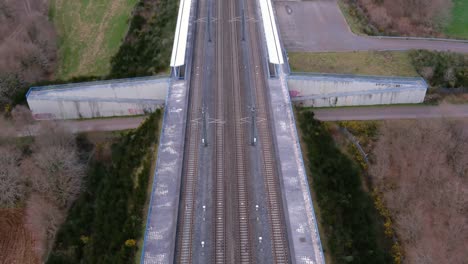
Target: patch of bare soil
column 422, row 169
column 16, row 242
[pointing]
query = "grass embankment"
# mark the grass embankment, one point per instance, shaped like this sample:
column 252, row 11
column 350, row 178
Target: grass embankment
column 106, row 222
column 351, row 225
column 90, row 34
column 458, row 26
column 145, row 51
column 385, row 63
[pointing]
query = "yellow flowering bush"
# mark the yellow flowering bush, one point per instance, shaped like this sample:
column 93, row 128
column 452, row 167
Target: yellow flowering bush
column 130, row 242
column 84, row 239
column 388, row 225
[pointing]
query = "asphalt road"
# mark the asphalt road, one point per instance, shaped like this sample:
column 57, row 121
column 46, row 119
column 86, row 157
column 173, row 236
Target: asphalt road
column 391, row 112
column 319, row 26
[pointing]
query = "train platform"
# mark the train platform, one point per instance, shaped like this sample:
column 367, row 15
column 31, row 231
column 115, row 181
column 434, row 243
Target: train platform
column 303, row 232
column 161, row 225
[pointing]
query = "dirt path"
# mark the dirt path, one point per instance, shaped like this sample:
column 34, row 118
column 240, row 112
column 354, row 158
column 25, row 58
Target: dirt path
column 391, row 112
column 319, row 26
column 110, row 124
column 16, row 243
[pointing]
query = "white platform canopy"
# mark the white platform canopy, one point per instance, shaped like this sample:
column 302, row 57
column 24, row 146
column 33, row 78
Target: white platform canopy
column 181, row 34
column 271, row 33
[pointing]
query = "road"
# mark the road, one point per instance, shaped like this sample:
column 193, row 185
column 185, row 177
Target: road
column 391, row 112
column 76, row 126
column 319, row 26
column 107, row 124
column 324, row 114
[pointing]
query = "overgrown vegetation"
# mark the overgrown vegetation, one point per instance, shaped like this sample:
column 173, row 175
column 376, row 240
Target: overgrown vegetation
column 106, row 221
column 41, row 174
column 351, row 223
column 390, row 63
column 356, row 18
column 28, row 45
column 398, row 17
column 441, row 69
column 147, row 47
column 420, row 174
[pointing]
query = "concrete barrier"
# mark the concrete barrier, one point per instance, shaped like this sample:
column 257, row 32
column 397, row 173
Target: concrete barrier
column 330, row 90
column 123, row 97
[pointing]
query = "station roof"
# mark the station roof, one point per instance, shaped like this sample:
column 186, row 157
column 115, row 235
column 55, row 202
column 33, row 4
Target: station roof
column 181, row 34
column 271, row 32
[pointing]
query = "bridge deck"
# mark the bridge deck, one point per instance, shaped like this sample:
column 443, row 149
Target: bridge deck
column 162, row 215
column 304, row 237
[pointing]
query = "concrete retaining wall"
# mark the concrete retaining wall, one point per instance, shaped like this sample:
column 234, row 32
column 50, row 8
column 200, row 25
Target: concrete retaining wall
column 330, row 90
column 98, row 99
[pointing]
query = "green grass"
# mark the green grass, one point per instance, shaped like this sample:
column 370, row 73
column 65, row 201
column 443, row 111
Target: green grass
column 386, row 63
column 458, row 26
column 90, row 33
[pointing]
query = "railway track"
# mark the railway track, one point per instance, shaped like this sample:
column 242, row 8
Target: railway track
column 243, row 238
column 232, row 240
column 187, row 209
column 232, row 227
column 219, row 220
column 279, row 242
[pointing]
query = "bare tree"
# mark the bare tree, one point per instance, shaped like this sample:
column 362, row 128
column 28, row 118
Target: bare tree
column 11, row 181
column 61, row 174
column 421, row 169
column 408, row 17
column 53, row 133
column 43, row 219
column 22, row 120
column 7, row 129
column 28, row 46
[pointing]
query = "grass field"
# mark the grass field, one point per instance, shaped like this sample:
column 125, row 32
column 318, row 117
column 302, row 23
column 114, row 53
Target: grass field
column 368, row 63
column 458, row 26
column 90, row 34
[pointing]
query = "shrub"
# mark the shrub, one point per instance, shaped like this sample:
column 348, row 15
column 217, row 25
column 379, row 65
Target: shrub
column 110, row 211
column 441, row 69
column 391, row 17
column 147, row 51
column 350, row 221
